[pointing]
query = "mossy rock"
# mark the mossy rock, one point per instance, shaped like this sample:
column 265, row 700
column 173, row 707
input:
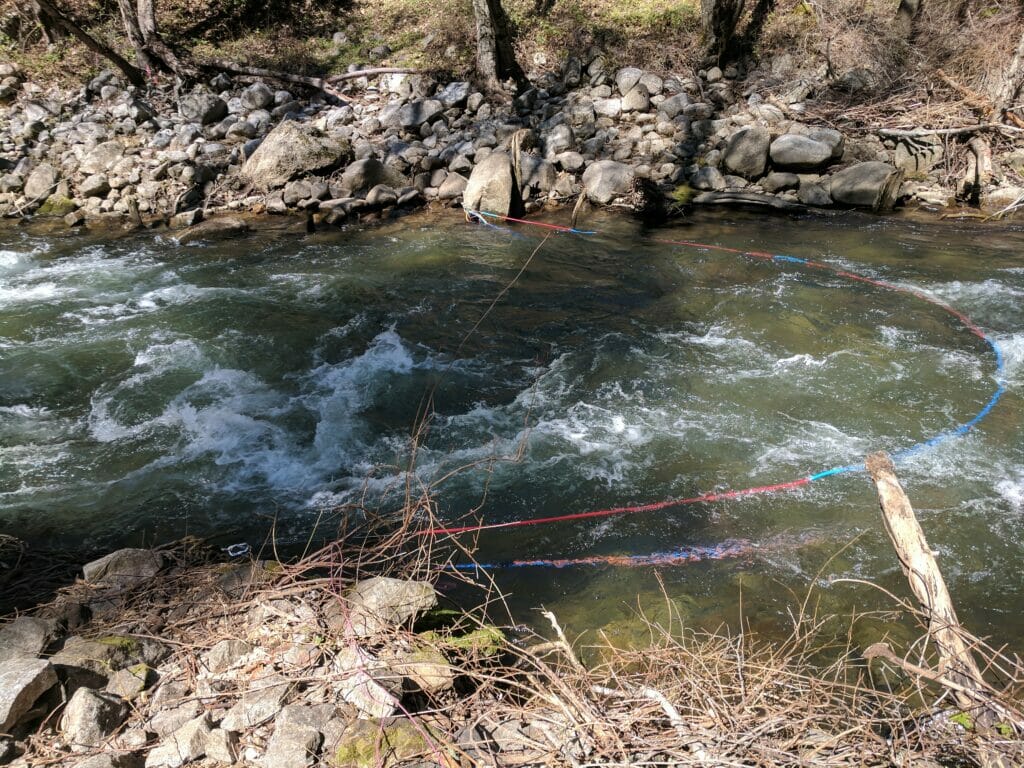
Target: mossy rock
column 683, row 194
column 57, row 205
column 482, row 643
column 383, row 743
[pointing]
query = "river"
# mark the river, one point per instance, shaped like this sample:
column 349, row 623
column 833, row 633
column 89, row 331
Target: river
column 149, row 390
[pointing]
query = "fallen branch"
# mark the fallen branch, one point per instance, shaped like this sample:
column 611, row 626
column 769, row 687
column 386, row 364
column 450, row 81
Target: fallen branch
column 956, row 661
column 373, row 73
column 895, row 133
column 318, row 83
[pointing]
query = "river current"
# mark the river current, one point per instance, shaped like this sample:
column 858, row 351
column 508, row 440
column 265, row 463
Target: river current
column 149, row 390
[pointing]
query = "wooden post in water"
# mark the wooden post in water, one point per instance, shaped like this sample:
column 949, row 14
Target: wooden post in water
column 958, row 671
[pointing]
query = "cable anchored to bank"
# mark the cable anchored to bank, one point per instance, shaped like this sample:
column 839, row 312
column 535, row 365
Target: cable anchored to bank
column 707, row 498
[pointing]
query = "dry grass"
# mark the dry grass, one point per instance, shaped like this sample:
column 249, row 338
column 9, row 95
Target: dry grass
column 688, row 697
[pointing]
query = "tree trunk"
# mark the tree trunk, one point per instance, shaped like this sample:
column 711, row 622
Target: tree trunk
column 495, row 58
column 905, row 16
column 133, row 32
column 134, row 74
column 719, row 19
column 1011, row 82
column 50, row 28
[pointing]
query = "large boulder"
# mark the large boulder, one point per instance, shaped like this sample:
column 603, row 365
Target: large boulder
column 454, row 94
column 22, row 682
column 747, row 153
column 873, row 185
column 793, row 152
column 291, row 150
column 492, row 188
column 626, row 78
column 257, row 96
column 26, row 636
column 607, row 179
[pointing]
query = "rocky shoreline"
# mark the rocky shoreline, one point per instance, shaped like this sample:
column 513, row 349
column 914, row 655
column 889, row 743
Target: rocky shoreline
column 107, row 152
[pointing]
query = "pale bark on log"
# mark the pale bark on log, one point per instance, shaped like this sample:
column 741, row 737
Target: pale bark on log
column 956, row 661
column 894, row 133
column 318, row 83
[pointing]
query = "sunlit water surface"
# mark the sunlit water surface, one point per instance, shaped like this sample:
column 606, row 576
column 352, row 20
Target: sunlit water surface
column 148, row 390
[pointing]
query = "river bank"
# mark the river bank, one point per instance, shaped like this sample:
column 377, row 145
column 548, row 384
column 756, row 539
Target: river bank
column 655, row 144
column 350, row 657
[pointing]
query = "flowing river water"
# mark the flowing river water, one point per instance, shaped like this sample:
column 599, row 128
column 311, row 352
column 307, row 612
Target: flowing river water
column 148, row 390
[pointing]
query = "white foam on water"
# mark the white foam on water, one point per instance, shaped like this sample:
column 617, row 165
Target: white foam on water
column 1012, row 491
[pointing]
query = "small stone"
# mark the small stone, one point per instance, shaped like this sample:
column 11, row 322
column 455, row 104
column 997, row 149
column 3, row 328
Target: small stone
column 381, row 196
column 203, row 108
column 380, row 603
column 776, row 181
column 90, row 717
column 626, row 78
column 225, row 654
column 454, row 185
column 222, row 746
column 357, row 683
column 125, row 567
column 130, row 682
column 714, row 75
column 292, row 745
column 184, row 745
column 22, row 682
column 637, row 100
column 260, row 703
column 75, row 218
column 607, row 179
column 257, row 96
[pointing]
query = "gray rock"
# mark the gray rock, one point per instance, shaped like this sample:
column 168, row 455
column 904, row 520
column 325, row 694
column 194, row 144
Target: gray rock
column 416, row 113
column 608, row 107
column 636, row 100
column 654, row 84
column 125, row 567
column 570, row 161
column 225, row 654
column 295, row 191
column 828, row 136
column 454, row 94
column 452, row 187
column 362, row 681
column 260, row 703
column 381, row 196
column 814, row 193
column 537, row 173
column 25, row 636
column 241, row 130
column 292, row 745
column 22, row 682
column 917, row 158
column 222, row 746
column 872, row 185
column 90, row 717
column 257, row 96
column 130, row 682
column 363, row 175
column 491, row 187
column 607, row 179
column 799, row 153
column 203, row 108
column 184, row 745
column 291, row 150
column 708, row 177
column 747, row 152
column 673, row 105
column 96, row 185
column 140, row 111
column 776, row 181
column 92, row 662
column 102, row 157
column 626, row 78
column 167, row 720
column 559, row 139
column 379, row 603
column 714, row 75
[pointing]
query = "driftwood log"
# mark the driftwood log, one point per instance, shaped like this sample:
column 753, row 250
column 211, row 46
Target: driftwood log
column 957, row 670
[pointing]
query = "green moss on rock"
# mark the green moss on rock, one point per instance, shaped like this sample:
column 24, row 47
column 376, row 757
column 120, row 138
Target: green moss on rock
column 383, row 743
column 57, row 205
